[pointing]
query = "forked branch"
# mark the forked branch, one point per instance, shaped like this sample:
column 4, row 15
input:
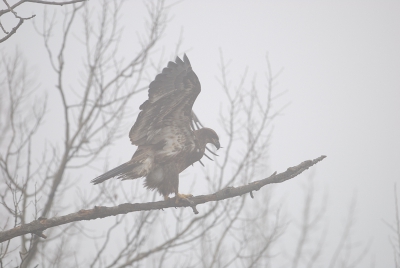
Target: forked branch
column 38, row 226
column 10, row 8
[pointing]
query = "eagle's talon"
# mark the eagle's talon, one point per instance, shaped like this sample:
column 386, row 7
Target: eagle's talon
column 179, row 197
column 186, row 197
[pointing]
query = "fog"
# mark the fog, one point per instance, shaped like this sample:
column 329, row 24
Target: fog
column 337, row 93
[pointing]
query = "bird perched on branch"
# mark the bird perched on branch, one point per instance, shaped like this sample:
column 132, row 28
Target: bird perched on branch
column 164, row 132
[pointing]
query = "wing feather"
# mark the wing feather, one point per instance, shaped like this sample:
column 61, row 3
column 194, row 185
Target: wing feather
column 167, row 114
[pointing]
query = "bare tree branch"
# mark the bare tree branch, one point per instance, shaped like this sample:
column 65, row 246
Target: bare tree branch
column 13, row 31
column 38, row 226
column 21, row 19
column 91, row 120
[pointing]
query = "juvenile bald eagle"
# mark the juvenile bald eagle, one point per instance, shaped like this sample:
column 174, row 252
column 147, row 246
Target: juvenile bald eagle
column 167, row 144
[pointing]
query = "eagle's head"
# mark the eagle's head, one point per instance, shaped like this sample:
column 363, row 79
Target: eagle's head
column 209, row 136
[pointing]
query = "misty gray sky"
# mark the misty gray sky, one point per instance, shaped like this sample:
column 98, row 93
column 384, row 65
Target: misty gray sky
column 341, row 78
column 341, row 65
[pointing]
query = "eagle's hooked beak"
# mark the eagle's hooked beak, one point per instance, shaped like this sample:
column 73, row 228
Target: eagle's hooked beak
column 216, row 144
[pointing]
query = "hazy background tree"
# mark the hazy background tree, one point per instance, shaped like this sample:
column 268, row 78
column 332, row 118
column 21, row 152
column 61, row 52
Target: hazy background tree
column 11, row 10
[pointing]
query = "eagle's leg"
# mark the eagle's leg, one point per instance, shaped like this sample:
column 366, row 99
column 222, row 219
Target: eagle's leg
column 166, row 197
column 179, row 196
column 173, row 184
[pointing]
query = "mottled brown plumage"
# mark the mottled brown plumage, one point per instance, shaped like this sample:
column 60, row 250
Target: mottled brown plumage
column 167, row 145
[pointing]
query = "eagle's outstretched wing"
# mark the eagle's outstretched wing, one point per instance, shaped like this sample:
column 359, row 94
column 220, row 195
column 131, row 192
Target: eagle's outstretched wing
column 167, row 132
column 166, row 116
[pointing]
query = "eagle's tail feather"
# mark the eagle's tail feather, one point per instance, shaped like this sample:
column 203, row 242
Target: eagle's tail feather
column 120, row 171
column 139, row 166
